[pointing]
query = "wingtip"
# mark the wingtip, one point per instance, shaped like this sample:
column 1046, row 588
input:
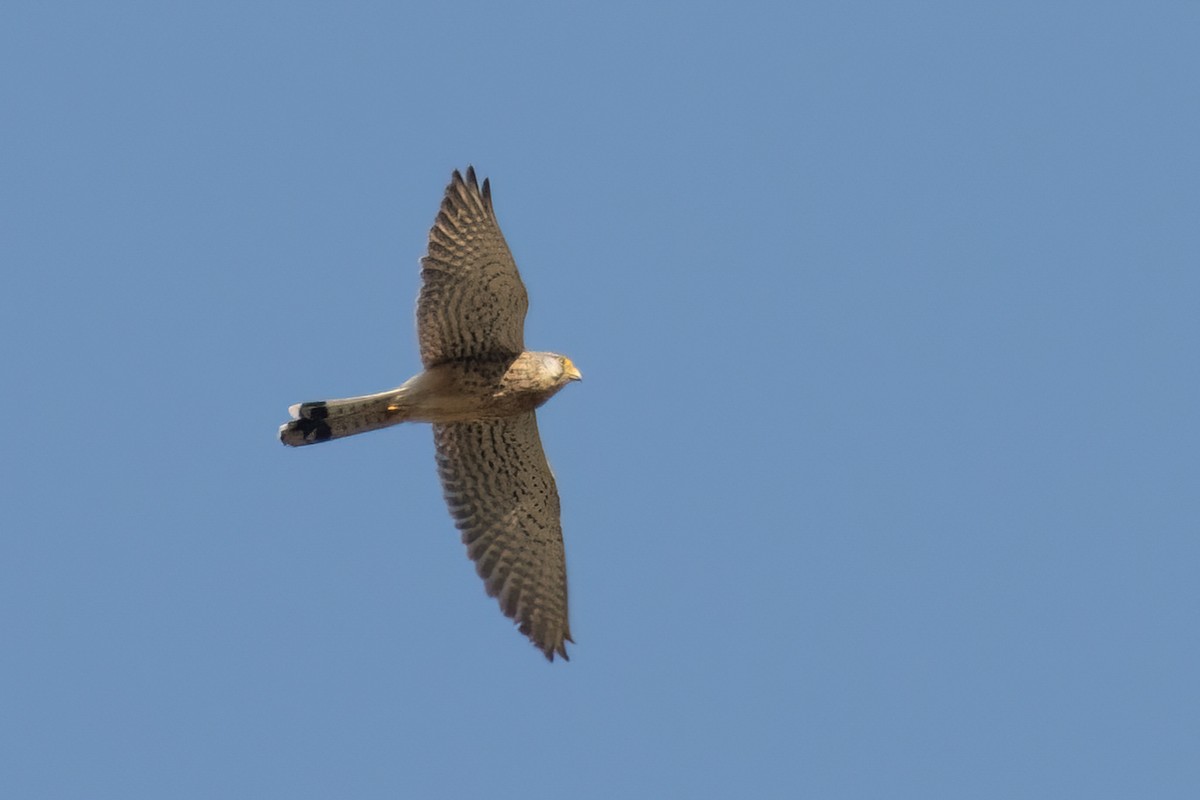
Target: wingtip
column 559, row 648
column 464, row 192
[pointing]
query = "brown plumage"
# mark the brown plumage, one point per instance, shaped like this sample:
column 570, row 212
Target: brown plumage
column 479, row 388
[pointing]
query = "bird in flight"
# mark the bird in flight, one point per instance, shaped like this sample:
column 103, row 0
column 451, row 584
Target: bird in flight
column 479, row 388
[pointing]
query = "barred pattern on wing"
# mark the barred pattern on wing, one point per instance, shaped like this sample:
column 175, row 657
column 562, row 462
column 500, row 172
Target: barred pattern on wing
column 502, row 497
column 472, row 303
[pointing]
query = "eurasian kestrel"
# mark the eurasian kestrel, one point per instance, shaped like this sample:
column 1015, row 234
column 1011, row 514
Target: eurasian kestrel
column 479, row 388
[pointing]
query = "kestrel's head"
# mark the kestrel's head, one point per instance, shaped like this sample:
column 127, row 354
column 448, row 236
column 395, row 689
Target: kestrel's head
column 555, row 371
column 560, row 369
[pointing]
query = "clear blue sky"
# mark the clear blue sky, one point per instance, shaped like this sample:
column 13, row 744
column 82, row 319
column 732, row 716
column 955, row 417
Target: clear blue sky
column 882, row 482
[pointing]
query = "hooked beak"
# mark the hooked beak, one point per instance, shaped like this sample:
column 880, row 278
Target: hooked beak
column 571, row 371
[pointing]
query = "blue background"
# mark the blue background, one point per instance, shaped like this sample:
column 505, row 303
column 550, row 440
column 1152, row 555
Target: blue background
column 882, row 481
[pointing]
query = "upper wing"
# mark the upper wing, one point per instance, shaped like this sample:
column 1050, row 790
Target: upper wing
column 502, row 496
column 472, row 302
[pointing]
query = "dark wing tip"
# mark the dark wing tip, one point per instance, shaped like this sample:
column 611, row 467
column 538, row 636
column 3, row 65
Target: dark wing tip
column 464, row 192
column 487, row 193
column 559, row 649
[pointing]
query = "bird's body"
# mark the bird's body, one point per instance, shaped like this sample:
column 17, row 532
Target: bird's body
column 479, row 388
column 449, row 392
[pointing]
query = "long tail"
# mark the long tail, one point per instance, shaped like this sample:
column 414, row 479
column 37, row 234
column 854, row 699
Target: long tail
column 323, row 420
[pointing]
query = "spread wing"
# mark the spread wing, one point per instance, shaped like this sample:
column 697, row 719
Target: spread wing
column 502, row 496
column 472, row 302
